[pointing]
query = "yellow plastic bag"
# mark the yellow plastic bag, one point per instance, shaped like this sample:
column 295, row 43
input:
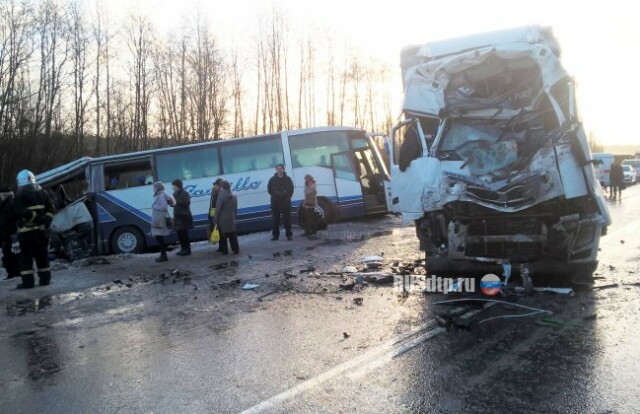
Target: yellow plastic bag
column 215, row 235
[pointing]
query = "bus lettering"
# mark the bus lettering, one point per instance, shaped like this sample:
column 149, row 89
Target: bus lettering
column 246, row 184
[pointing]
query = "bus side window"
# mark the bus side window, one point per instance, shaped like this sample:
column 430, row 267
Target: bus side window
column 126, row 174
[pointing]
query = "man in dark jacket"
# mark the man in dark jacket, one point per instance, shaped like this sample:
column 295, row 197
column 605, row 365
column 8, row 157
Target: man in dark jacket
column 280, row 188
column 182, row 217
column 616, row 179
column 225, row 219
column 8, row 230
column 34, row 212
column 212, row 209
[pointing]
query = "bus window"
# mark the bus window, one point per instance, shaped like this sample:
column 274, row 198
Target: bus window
column 343, row 167
column 188, row 165
column 126, row 174
column 359, row 143
column 315, row 148
column 252, row 155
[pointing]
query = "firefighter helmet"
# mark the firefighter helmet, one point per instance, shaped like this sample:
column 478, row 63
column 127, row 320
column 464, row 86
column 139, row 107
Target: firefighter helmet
column 26, row 177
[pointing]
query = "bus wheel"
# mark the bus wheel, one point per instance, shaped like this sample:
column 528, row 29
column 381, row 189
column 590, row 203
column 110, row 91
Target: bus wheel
column 329, row 213
column 127, row 240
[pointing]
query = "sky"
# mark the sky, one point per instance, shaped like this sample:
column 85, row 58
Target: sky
column 600, row 40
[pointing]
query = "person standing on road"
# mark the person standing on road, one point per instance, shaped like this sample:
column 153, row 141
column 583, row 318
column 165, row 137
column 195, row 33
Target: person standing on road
column 182, row 217
column 309, row 206
column 160, row 220
column 616, row 179
column 280, row 188
column 34, row 212
column 225, row 219
column 8, row 233
column 212, row 209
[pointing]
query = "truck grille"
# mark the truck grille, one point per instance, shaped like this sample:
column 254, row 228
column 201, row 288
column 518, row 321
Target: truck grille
column 505, row 226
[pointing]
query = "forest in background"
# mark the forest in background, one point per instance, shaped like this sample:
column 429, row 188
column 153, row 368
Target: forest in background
column 74, row 82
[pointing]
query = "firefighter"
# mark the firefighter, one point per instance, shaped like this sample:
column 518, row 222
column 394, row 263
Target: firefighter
column 34, row 213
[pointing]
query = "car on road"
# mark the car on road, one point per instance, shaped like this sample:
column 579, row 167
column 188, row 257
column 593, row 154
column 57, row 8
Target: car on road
column 630, row 175
column 635, row 164
column 602, row 165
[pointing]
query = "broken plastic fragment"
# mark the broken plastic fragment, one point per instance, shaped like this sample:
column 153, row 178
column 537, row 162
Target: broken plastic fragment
column 249, row 286
column 349, row 269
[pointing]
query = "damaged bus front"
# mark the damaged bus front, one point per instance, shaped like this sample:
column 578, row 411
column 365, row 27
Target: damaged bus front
column 491, row 160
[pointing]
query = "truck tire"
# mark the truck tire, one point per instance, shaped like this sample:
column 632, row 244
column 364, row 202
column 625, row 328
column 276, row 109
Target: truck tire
column 127, row 240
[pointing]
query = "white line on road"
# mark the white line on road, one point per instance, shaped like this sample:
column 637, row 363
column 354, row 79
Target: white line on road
column 372, row 356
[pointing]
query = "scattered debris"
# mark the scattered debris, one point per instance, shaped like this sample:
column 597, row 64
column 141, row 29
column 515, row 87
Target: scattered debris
column 621, row 241
column 374, row 262
column 345, row 335
column 347, row 286
column 129, row 285
column 612, row 285
column 180, row 273
column 249, row 286
column 117, row 281
column 631, row 284
column 377, row 278
column 506, row 273
column 561, row 291
column 358, row 301
column 349, row 269
column 590, row 317
column 612, row 267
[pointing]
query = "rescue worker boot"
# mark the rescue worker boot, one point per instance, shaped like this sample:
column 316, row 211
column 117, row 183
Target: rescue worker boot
column 45, row 278
column 163, row 257
column 27, row 283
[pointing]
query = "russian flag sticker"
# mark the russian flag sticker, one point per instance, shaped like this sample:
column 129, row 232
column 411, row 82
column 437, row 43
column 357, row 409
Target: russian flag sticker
column 490, row 284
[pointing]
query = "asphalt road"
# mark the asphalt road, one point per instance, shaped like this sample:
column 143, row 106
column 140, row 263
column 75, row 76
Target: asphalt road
column 131, row 335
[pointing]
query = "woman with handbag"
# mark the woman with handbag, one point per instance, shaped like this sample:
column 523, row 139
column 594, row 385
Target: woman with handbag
column 309, row 207
column 182, row 218
column 160, row 219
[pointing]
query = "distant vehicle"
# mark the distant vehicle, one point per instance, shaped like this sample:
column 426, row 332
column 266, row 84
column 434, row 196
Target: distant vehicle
column 351, row 179
column 491, row 161
column 630, row 175
column 635, row 164
column 602, row 164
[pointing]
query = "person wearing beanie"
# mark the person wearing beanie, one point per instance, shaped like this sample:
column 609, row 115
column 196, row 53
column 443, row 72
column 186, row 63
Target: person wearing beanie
column 182, row 217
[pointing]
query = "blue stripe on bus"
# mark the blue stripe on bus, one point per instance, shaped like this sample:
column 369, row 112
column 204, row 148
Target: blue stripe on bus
column 249, row 218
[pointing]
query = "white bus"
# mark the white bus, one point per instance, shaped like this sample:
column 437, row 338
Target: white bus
column 351, row 178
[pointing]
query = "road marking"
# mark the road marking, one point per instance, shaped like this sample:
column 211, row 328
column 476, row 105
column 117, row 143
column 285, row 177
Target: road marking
column 366, row 362
column 357, row 362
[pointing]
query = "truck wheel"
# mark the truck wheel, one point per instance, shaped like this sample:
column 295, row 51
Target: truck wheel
column 329, row 213
column 127, row 240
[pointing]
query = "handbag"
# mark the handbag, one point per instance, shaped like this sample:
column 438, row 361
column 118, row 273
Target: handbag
column 169, row 221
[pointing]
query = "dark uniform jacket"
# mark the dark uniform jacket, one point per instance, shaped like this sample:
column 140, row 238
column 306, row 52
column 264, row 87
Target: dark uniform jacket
column 182, row 218
column 7, row 216
column 33, row 209
column 281, row 191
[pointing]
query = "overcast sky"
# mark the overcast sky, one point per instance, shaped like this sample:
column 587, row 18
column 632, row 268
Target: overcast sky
column 601, row 44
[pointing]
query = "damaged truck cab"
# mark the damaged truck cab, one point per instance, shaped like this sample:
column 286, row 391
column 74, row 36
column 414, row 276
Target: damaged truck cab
column 491, row 161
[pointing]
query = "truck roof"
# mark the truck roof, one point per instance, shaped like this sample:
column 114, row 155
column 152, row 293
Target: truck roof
column 415, row 54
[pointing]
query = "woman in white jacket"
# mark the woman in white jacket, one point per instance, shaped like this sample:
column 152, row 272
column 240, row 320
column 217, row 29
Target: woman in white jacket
column 160, row 219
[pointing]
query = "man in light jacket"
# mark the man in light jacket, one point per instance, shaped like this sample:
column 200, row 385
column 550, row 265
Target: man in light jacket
column 160, row 218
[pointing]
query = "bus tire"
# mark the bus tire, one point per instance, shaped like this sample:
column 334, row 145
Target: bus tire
column 327, row 208
column 127, row 240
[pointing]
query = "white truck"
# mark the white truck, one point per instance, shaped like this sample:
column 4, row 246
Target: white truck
column 491, row 161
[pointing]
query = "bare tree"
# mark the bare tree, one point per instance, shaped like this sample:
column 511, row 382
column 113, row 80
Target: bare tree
column 140, row 42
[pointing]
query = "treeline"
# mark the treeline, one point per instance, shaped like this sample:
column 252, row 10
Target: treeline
column 74, row 83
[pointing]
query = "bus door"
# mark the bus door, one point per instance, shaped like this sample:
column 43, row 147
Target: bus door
column 348, row 188
column 371, row 179
column 348, row 173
